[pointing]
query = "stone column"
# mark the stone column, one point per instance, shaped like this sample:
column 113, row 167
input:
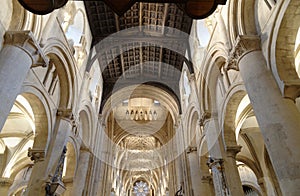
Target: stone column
column 46, row 160
column 232, row 176
column 19, row 53
column 195, row 176
column 217, row 170
column 278, row 117
column 206, row 186
column 81, row 173
column 211, row 132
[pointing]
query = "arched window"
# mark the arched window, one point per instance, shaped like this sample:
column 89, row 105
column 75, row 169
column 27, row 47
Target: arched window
column 141, row 188
column 186, row 88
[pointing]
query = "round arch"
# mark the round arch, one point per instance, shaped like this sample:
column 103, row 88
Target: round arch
column 282, row 46
column 145, row 91
column 231, row 104
column 60, row 55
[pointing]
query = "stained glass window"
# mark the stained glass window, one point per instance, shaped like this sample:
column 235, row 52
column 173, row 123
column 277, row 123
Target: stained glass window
column 141, row 189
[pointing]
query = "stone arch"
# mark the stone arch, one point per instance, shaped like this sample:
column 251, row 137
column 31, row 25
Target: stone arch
column 25, row 20
column 71, row 158
column 282, row 45
column 146, row 91
column 241, row 18
column 34, row 106
column 86, row 126
column 248, row 177
column 192, row 126
column 232, row 101
column 42, row 121
column 215, row 59
column 185, row 87
column 44, row 116
column 60, row 55
column 79, row 28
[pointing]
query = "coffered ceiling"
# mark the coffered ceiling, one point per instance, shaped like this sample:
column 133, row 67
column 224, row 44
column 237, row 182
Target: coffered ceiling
column 147, row 44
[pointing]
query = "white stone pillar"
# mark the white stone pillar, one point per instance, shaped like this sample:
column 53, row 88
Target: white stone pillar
column 81, row 173
column 216, row 166
column 278, row 117
column 46, row 160
column 194, row 170
column 232, row 176
column 19, row 53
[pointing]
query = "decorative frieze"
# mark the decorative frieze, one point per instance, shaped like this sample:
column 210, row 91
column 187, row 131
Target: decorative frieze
column 243, row 45
column 25, row 40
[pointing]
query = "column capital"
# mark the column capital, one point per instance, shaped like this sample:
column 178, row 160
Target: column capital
column 65, row 113
column 25, row 40
column 206, row 178
column 178, row 121
column 204, row 116
column 243, row 45
column 291, row 89
column 192, row 77
column 191, row 149
column 5, row 182
column 215, row 162
column 36, row 155
column 231, row 151
column 84, row 149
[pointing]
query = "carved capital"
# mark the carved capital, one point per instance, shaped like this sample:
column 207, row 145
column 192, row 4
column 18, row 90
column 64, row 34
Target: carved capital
column 66, row 113
column 204, row 116
column 206, row 179
column 233, row 150
column 26, row 41
column 192, row 77
column 215, row 163
column 243, row 45
column 291, row 89
column 191, row 149
column 36, row 155
column 5, row 182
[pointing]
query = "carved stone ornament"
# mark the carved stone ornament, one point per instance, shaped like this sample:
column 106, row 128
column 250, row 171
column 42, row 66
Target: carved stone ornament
column 66, row 113
column 191, row 149
column 36, row 155
column 25, row 40
column 204, row 116
column 5, row 182
column 206, row 179
column 244, row 44
column 291, row 89
column 233, row 150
